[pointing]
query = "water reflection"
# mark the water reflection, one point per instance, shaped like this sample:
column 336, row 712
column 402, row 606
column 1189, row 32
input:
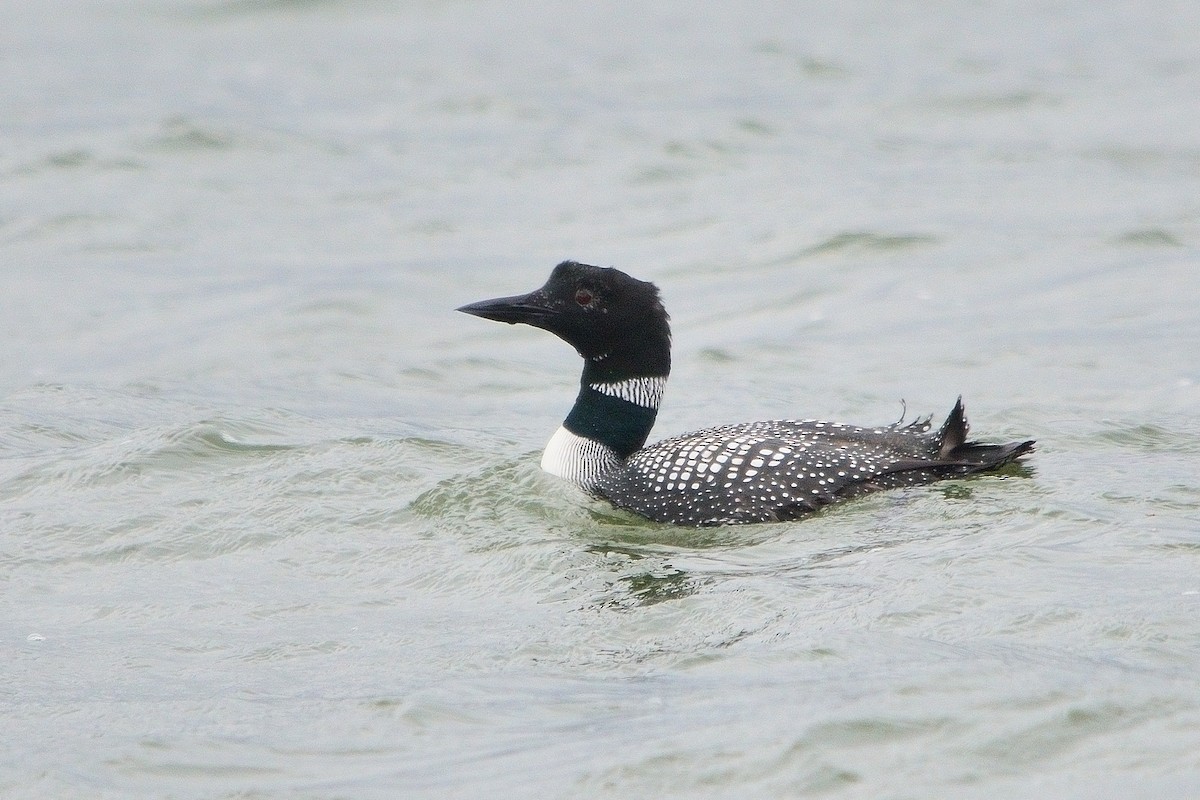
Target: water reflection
column 644, row 578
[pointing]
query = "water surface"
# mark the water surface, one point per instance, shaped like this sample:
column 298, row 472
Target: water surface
column 271, row 521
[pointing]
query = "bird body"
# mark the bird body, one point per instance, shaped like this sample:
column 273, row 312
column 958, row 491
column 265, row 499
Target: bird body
column 745, row 473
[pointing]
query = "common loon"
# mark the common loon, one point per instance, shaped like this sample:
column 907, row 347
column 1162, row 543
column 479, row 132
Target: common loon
column 753, row 472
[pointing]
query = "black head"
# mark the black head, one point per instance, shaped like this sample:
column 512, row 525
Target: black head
column 613, row 320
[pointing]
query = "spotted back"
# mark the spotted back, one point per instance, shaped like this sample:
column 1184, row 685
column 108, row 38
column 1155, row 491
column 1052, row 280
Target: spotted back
column 769, row 471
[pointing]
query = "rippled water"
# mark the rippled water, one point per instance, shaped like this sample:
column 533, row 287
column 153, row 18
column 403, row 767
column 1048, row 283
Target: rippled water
column 271, row 521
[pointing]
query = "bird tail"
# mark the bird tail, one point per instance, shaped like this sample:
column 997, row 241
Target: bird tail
column 975, row 456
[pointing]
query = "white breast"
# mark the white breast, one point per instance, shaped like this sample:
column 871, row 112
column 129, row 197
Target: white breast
column 577, row 459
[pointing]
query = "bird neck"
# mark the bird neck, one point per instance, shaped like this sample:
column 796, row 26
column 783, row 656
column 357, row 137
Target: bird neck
column 617, row 414
column 609, row 422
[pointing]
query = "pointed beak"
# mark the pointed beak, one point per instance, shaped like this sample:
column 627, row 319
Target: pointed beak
column 530, row 309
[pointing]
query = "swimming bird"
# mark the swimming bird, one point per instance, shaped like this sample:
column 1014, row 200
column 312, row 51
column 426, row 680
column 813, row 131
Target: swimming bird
column 747, row 473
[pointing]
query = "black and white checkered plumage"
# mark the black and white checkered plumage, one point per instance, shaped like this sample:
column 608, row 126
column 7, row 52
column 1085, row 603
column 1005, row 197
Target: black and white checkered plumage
column 753, row 472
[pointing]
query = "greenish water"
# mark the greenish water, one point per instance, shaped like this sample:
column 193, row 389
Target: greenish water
column 271, row 520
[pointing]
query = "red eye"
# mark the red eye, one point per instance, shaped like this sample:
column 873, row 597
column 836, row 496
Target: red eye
column 583, row 297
